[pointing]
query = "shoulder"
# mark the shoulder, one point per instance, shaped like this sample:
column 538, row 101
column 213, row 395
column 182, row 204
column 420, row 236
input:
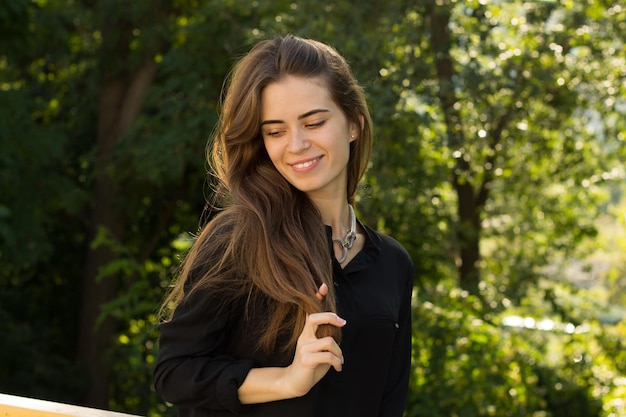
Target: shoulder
column 222, row 223
column 391, row 255
column 390, row 264
column 210, row 259
column 387, row 243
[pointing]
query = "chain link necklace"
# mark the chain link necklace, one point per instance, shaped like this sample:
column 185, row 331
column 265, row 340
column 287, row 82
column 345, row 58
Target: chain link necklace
column 347, row 242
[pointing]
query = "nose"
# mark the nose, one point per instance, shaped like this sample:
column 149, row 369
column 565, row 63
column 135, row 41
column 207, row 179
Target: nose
column 298, row 142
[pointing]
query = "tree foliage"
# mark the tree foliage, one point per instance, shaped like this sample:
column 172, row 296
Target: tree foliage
column 499, row 153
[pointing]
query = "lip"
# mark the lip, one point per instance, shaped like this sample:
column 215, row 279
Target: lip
column 305, row 165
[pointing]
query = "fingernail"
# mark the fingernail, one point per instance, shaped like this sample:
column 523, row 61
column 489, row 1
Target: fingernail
column 341, row 321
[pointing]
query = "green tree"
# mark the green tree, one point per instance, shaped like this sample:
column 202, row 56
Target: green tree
column 497, row 126
column 116, row 116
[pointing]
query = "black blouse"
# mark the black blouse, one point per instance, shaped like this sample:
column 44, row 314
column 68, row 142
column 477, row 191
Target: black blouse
column 206, row 354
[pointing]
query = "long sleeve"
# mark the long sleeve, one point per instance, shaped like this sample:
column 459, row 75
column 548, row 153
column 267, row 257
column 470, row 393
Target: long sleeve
column 192, row 369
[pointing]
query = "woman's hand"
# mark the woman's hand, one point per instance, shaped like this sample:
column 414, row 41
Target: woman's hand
column 322, row 292
column 314, row 356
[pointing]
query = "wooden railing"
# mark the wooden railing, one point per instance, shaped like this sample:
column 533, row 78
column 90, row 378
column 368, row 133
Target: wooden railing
column 13, row 406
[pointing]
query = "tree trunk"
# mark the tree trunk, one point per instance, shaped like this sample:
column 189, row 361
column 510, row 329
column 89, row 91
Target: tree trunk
column 472, row 193
column 468, row 206
column 468, row 236
column 121, row 97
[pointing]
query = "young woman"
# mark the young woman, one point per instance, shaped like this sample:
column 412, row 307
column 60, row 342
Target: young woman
column 287, row 305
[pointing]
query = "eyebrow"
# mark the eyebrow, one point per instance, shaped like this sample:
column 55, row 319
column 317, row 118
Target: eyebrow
column 302, row 116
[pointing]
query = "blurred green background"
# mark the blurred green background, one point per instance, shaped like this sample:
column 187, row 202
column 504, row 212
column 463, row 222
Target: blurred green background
column 500, row 147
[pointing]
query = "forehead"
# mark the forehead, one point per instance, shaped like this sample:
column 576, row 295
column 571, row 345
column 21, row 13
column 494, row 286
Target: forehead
column 294, row 96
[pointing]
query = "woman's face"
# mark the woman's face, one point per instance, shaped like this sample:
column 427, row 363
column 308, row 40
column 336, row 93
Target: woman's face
column 307, row 136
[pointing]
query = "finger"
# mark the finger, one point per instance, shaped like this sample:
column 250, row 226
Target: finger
column 322, row 292
column 316, row 319
column 328, row 358
column 325, row 344
column 313, row 321
column 322, row 351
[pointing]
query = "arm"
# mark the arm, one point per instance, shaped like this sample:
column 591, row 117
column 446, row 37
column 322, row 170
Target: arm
column 313, row 358
column 193, row 368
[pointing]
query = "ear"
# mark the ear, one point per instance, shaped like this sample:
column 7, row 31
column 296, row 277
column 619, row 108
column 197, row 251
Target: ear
column 355, row 132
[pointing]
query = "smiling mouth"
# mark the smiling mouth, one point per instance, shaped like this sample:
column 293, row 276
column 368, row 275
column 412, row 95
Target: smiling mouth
column 304, row 165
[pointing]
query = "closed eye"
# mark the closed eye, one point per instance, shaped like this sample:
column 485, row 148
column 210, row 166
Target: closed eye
column 274, row 133
column 315, row 125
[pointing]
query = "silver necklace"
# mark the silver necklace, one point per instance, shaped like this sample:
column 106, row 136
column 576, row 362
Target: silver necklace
column 347, row 242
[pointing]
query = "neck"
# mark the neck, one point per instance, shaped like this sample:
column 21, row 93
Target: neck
column 346, row 243
column 336, row 214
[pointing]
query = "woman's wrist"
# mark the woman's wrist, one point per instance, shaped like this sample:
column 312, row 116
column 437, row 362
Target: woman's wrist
column 266, row 384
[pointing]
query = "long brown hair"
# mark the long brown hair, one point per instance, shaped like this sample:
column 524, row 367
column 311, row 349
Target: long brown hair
column 269, row 239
